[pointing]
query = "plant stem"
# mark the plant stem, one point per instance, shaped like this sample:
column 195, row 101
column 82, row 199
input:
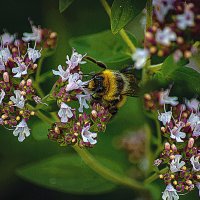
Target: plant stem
column 106, row 172
column 155, row 68
column 41, row 115
column 38, row 89
column 148, row 151
column 39, row 67
column 126, row 38
column 122, row 32
column 149, row 10
column 155, row 176
column 37, row 78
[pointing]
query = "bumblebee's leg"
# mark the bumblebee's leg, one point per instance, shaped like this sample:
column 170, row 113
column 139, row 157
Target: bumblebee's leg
column 113, row 110
column 121, row 101
column 99, row 63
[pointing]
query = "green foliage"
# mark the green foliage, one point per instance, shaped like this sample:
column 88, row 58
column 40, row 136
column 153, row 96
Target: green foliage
column 39, row 130
column 168, row 68
column 188, row 77
column 179, row 74
column 104, row 46
column 123, row 11
column 67, row 173
column 64, row 4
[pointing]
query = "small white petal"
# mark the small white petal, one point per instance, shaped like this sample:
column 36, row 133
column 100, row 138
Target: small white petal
column 88, row 136
column 195, row 163
column 140, row 56
column 2, row 95
column 33, row 54
column 165, row 117
column 176, row 165
column 170, row 193
column 65, row 113
column 165, row 36
column 22, row 131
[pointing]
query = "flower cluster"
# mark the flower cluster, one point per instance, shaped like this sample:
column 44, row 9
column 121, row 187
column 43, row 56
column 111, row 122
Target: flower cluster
column 18, row 60
column 76, row 125
column 175, row 28
column 181, row 128
column 134, row 143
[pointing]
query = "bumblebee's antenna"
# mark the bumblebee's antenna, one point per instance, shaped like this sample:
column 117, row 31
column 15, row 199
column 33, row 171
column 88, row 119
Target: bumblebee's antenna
column 99, row 63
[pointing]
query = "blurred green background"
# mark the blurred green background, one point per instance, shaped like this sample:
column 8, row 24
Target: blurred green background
column 83, row 17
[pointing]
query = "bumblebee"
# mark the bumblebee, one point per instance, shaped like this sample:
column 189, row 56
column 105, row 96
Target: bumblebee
column 111, row 87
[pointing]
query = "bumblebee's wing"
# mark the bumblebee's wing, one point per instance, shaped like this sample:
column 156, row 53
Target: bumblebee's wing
column 132, row 88
column 127, row 70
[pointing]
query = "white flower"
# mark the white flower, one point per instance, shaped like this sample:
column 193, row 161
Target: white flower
column 82, row 101
column 193, row 104
column 176, row 132
column 20, row 70
column 62, row 73
column 34, row 36
column 88, row 136
column 75, row 59
column 193, row 120
column 186, row 19
column 195, row 163
column 170, row 193
column 175, row 164
column 2, row 65
column 7, row 38
column 165, row 36
column 33, row 54
column 196, row 131
column 22, row 131
column 5, row 54
column 74, row 82
column 19, row 100
column 161, row 8
column 198, row 186
column 140, row 56
column 2, row 95
column 165, row 99
column 165, row 117
column 65, row 113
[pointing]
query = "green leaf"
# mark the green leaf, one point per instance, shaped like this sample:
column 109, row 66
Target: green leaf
column 189, row 77
column 64, row 4
column 123, row 11
column 104, row 46
column 169, row 67
column 66, row 173
column 39, row 130
column 180, row 75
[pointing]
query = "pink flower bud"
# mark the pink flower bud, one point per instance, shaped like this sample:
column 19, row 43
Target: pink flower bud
column 190, row 142
column 94, row 113
column 174, row 148
column 6, row 77
column 22, row 83
column 167, row 146
column 29, row 82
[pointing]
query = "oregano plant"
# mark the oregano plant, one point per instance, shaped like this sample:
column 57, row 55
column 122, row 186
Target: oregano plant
column 148, row 143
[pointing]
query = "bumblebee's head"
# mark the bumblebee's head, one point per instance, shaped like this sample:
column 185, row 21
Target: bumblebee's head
column 97, row 84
